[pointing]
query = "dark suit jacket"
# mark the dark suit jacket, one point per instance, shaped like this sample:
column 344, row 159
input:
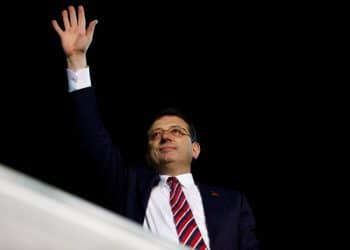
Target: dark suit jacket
column 229, row 218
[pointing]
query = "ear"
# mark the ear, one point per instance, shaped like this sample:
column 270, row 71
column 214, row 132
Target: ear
column 196, row 149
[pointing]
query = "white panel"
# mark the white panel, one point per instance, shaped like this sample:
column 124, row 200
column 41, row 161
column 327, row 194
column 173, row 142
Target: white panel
column 35, row 215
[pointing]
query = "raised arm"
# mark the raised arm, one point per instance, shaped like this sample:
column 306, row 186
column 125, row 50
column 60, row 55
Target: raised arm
column 75, row 37
column 94, row 139
column 75, row 41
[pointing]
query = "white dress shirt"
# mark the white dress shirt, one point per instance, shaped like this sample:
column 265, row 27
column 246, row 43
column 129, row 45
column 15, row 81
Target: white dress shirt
column 159, row 217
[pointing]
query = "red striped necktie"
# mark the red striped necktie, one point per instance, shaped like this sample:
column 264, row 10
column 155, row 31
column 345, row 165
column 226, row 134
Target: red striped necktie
column 185, row 223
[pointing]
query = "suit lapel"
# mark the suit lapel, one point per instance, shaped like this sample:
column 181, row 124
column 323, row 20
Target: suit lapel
column 147, row 182
column 212, row 203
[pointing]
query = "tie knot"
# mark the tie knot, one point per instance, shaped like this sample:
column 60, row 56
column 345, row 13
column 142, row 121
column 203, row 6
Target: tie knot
column 172, row 181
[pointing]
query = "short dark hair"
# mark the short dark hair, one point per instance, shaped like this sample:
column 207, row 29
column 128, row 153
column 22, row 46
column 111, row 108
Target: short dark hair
column 171, row 111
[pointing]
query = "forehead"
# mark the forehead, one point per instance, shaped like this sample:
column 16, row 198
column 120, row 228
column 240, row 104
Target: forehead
column 165, row 122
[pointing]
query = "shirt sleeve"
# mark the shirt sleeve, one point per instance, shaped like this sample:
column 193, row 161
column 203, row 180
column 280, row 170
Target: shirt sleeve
column 79, row 79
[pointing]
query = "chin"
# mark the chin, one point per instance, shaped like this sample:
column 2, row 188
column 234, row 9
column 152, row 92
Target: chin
column 167, row 160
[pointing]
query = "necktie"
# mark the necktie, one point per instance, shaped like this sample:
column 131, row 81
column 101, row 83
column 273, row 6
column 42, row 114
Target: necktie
column 186, row 226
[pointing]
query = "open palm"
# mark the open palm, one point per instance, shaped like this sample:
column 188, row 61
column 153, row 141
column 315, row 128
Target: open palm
column 75, row 38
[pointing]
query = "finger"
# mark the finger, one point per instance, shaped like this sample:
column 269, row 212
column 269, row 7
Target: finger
column 72, row 16
column 81, row 17
column 90, row 30
column 65, row 19
column 57, row 27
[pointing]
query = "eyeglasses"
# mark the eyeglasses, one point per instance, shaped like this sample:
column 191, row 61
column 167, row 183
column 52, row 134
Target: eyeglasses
column 175, row 131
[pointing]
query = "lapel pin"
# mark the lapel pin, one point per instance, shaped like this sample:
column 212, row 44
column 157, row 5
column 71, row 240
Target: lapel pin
column 215, row 194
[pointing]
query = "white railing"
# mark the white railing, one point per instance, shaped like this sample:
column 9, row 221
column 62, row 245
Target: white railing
column 35, row 215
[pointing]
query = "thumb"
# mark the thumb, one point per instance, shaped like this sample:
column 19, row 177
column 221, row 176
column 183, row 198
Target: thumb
column 91, row 28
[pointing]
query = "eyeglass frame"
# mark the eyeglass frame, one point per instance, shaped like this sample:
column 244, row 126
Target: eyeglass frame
column 182, row 130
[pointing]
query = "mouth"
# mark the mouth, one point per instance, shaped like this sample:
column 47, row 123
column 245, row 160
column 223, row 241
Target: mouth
column 167, row 149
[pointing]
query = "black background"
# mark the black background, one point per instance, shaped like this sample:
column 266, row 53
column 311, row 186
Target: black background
column 239, row 70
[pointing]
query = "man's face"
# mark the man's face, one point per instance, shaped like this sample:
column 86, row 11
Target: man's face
column 170, row 147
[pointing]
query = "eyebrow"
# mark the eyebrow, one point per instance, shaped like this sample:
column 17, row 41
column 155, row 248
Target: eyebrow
column 173, row 126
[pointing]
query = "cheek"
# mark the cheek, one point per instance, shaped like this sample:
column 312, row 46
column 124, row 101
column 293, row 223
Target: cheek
column 151, row 149
column 187, row 151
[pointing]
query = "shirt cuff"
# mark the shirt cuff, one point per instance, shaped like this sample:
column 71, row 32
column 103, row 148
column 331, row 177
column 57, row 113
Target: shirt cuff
column 79, row 79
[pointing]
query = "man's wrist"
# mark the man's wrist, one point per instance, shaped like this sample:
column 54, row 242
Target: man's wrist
column 76, row 62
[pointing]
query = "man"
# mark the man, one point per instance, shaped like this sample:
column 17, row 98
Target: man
column 164, row 198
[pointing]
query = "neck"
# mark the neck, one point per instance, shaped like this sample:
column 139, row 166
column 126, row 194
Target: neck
column 174, row 169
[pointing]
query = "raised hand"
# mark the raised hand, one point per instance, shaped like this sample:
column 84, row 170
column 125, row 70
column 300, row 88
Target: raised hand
column 75, row 38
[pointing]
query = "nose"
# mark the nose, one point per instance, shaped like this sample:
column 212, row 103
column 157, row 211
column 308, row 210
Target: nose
column 166, row 135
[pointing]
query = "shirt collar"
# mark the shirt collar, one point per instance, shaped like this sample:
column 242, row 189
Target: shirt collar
column 186, row 180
